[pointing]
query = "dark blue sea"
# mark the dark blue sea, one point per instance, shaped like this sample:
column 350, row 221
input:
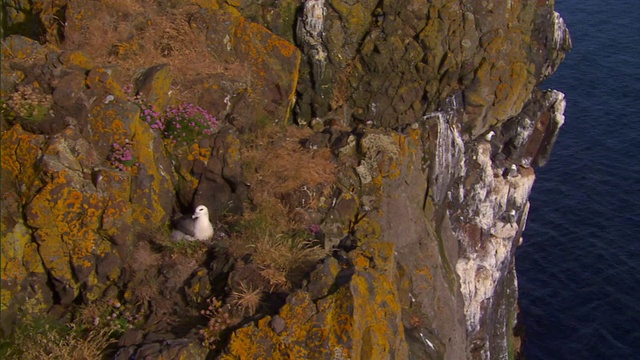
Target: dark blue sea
column 579, row 266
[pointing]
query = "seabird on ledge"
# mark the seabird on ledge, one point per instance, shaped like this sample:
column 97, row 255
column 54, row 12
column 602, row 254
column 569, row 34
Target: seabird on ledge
column 489, row 135
column 196, row 227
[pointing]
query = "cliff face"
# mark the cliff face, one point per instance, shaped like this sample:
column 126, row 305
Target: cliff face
column 431, row 109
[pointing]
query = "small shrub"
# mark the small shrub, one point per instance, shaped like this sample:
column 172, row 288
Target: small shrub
column 290, row 253
column 220, row 319
column 151, row 116
column 109, row 315
column 187, row 123
column 148, row 112
column 184, row 123
column 88, row 337
column 27, row 103
column 122, row 156
column 283, row 250
column 50, row 343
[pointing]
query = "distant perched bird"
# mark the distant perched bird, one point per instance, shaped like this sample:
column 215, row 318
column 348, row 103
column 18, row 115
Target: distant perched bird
column 196, row 227
column 489, row 135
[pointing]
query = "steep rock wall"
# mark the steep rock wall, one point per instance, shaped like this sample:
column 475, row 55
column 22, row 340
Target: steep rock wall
column 448, row 187
column 432, row 111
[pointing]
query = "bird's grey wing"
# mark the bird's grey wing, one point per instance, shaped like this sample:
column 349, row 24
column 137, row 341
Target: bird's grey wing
column 185, row 225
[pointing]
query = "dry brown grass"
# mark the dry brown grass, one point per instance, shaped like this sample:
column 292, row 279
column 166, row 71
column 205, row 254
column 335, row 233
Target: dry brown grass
column 287, row 252
column 246, row 299
column 276, row 164
column 53, row 345
column 278, row 168
column 282, row 249
column 135, row 34
column 45, row 338
column 143, row 258
column 277, row 279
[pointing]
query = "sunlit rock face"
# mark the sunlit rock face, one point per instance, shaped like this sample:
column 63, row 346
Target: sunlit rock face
column 458, row 84
column 432, row 110
column 390, row 62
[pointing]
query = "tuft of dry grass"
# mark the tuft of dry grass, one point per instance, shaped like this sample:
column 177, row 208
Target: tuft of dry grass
column 45, row 339
column 278, row 246
column 152, row 259
column 246, row 299
column 52, row 345
column 143, row 258
column 287, row 253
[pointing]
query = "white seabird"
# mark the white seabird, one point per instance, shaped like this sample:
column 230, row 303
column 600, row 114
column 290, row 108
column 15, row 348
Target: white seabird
column 196, row 227
column 489, row 135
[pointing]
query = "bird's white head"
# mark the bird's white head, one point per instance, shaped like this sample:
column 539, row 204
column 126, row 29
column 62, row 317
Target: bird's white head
column 201, row 211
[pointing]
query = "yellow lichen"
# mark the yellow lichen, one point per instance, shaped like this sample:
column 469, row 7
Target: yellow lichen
column 198, row 153
column 6, row 298
column 147, row 207
column 20, row 150
column 77, row 58
column 12, row 252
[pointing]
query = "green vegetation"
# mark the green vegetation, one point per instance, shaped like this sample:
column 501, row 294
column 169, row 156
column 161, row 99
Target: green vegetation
column 94, row 329
column 27, row 103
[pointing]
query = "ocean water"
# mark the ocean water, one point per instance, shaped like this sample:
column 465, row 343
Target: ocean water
column 579, row 266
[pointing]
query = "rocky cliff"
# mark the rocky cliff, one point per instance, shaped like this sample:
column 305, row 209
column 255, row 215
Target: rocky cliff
column 400, row 137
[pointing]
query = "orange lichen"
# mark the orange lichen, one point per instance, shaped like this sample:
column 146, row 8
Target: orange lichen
column 207, row 4
column 425, row 272
column 147, row 206
column 364, row 314
column 100, row 77
column 76, row 58
column 12, row 251
column 198, row 153
column 20, row 150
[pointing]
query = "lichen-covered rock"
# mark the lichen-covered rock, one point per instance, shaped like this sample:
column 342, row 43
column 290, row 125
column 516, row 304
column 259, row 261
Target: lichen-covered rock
column 431, row 109
column 66, row 208
column 118, row 121
column 454, row 211
column 171, row 349
column 66, row 213
column 36, row 19
column 391, row 62
column 20, row 150
column 265, row 91
column 359, row 319
column 17, row 48
column 154, row 85
column 277, row 16
column 220, row 184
